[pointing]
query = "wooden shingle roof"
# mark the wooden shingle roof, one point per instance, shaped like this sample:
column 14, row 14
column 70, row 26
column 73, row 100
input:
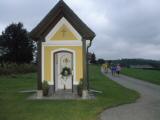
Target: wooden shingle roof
column 60, row 10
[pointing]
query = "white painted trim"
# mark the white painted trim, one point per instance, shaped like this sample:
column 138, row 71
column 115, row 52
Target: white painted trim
column 64, row 43
column 62, row 22
column 75, row 82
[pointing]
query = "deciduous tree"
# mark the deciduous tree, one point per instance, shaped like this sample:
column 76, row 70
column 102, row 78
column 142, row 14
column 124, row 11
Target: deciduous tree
column 15, row 44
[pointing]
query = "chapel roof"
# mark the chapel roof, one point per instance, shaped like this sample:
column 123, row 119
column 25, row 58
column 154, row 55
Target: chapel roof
column 60, row 10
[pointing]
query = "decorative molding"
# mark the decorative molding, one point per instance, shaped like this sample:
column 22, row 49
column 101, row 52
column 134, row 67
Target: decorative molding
column 66, row 43
column 63, row 43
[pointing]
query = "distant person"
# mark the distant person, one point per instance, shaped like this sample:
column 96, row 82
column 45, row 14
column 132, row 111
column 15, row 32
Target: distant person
column 103, row 67
column 113, row 70
column 106, row 68
column 118, row 69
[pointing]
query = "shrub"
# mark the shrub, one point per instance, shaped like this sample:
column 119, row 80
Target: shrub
column 45, row 87
column 12, row 68
column 80, row 88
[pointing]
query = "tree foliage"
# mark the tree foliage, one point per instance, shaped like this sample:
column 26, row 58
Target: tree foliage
column 100, row 61
column 128, row 62
column 15, row 45
column 92, row 58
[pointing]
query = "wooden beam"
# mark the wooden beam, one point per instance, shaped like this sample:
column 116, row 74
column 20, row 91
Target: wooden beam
column 87, row 70
column 88, row 85
column 84, row 65
column 39, row 65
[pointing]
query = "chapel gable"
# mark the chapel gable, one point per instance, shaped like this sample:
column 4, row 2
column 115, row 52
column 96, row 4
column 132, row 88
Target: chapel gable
column 64, row 33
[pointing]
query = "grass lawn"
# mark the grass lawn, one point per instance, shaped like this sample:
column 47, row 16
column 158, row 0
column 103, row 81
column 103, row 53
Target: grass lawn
column 15, row 106
column 152, row 76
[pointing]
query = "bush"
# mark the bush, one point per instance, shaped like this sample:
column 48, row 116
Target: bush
column 45, row 87
column 80, row 88
column 101, row 61
column 12, row 68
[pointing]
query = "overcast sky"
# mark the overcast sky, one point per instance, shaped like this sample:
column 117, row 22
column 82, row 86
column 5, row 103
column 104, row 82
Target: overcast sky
column 124, row 28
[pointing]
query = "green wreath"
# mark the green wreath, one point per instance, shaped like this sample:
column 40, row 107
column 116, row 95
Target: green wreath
column 66, row 72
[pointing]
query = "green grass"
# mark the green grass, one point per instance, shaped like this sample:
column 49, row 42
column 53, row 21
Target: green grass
column 152, row 76
column 15, row 106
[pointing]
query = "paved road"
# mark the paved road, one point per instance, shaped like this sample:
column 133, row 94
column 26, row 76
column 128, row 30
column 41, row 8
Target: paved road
column 147, row 106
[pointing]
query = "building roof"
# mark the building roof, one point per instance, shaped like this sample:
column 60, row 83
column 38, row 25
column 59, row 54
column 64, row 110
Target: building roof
column 60, row 10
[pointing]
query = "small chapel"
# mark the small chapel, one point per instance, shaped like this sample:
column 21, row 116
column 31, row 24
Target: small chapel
column 63, row 40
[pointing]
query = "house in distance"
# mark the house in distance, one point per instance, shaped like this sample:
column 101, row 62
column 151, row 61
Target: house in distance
column 63, row 41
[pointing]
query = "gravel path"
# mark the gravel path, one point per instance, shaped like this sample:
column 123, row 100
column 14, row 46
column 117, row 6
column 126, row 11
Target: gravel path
column 147, row 106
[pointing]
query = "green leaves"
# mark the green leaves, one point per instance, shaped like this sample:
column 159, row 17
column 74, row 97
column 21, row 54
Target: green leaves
column 15, row 45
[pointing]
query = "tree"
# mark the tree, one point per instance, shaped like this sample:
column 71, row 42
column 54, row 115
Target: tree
column 93, row 58
column 15, row 45
column 101, row 61
column 109, row 63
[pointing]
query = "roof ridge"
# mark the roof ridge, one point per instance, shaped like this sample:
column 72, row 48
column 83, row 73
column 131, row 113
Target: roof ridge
column 61, row 9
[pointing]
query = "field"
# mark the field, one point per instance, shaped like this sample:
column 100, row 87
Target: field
column 152, row 76
column 15, row 106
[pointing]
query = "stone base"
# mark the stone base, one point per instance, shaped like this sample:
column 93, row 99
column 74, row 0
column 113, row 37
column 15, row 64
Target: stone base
column 62, row 95
column 85, row 94
column 39, row 94
column 51, row 90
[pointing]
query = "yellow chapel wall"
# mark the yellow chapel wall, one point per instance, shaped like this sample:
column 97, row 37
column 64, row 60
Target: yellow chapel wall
column 47, row 61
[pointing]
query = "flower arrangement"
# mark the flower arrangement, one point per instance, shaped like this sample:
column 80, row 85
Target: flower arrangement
column 66, row 72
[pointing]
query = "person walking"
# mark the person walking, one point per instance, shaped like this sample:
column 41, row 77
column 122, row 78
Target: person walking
column 106, row 68
column 113, row 70
column 118, row 69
